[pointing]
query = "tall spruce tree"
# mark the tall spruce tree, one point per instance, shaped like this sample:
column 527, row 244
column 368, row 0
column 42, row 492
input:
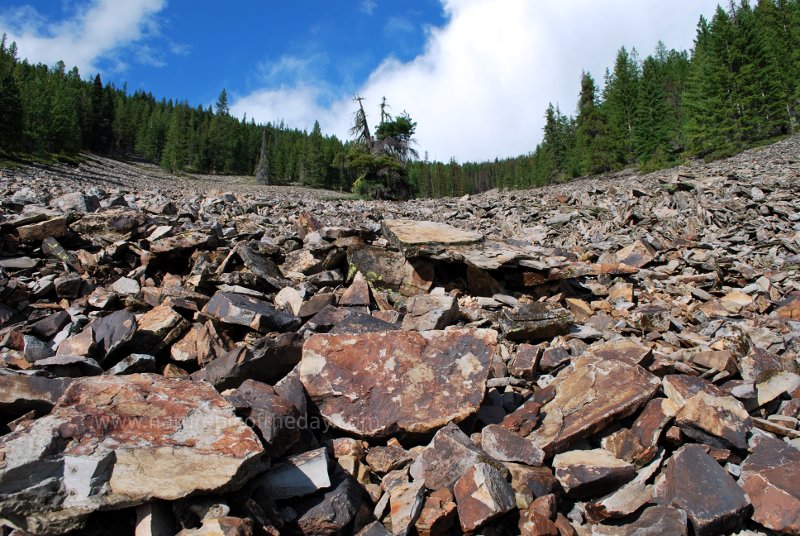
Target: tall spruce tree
column 592, row 136
column 620, row 102
column 262, row 169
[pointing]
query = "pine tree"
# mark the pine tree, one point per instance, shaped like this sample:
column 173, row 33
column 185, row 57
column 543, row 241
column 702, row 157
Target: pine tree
column 11, row 118
column 651, row 133
column 315, row 167
column 620, row 101
column 262, row 169
column 222, row 107
column 592, row 136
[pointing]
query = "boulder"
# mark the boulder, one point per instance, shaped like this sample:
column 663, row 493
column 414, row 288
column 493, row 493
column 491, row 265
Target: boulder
column 426, row 379
column 482, row 494
column 118, row 441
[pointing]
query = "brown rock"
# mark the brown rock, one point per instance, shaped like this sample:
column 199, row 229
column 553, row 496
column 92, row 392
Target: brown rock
column 427, row 379
column 118, row 441
column 276, row 420
column 590, row 394
column 531, row 482
column 482, row 494
column 438, row 514
column 621, row 349
column 720, row 421
column 420, row 233
column 390, row 270
column 540, row 320
column 428, row 312
column 695, row 483
column 20, row 394
column 626, row 500
column 388, row 458
column 637, row 254
column 357, row 294
column 639, row 444
column 158, row 328
column 405, row 504
column 55, row 227
column 526, row 361
column 591, row 473
column 506, row 446
column 771, row 478
column 654, row 521
column 446, row 458
column 242, row 310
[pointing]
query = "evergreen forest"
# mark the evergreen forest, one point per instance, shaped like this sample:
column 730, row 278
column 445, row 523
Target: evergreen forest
column 739, row 86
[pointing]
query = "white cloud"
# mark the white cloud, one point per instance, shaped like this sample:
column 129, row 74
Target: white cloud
column 481, row 86
column 96, row 32
column 368, row 6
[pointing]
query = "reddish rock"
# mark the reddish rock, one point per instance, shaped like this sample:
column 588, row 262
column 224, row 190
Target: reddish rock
column 654, row 521
column 385, row 459
column 447, row 457
column 158, row 329
column 405, row 505
column 531, row 482
column 118, row 441
column 621, row 349
column 524, row 419
column 591, row 473
column 426, row 312
column 438, row 514
column 55, row 227
column 695, row 483
column 482, row 494
column 357, row 294
column 426, row 379
column 639, row 444
column 506, row 446
column 720, row 421
column 589, row 395
column 638, row 254
column 771, row 478
column 526, row 361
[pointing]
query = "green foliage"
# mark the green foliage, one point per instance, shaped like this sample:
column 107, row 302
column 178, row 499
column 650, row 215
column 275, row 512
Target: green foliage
column 380, row 163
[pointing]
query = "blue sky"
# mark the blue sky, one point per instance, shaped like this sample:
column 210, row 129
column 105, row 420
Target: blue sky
column 477, row 75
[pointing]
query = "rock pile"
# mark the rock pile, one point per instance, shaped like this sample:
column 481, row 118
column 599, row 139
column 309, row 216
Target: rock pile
column 613, row 356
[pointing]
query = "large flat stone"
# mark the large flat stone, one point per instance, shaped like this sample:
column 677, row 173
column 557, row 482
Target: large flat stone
column 118, row 441
column 239, row 309
column 694, row 482
column 415, row 233
column 376, row 384
column 771, row 478
column 590, row 394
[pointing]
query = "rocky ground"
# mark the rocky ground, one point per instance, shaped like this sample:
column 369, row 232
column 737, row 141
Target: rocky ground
column 199, row 356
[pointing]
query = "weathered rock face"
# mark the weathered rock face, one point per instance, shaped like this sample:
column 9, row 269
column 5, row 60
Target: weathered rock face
column 113, row 442
column 591, row 473
column 481, row 495
column 695, row 483
column 536, row 321
column 375, row 384
column 589, row 395
column 770, row 479
column 247, row 311
column 427, row 233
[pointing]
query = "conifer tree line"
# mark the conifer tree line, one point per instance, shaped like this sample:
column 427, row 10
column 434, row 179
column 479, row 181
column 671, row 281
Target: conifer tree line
column 49, row 110
column 738, row 86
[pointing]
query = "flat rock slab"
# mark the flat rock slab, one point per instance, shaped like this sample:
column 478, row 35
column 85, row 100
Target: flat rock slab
column 536, row 321
column 694, row 482
column 591, row 473
column 118, row 441
column 591, row 394
column 232, row 308
column 375, row 384
column 771, row 478
column 415, row 233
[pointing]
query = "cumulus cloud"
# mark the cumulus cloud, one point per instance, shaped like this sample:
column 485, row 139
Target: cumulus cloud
column 94, row 34
column 480, row 88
